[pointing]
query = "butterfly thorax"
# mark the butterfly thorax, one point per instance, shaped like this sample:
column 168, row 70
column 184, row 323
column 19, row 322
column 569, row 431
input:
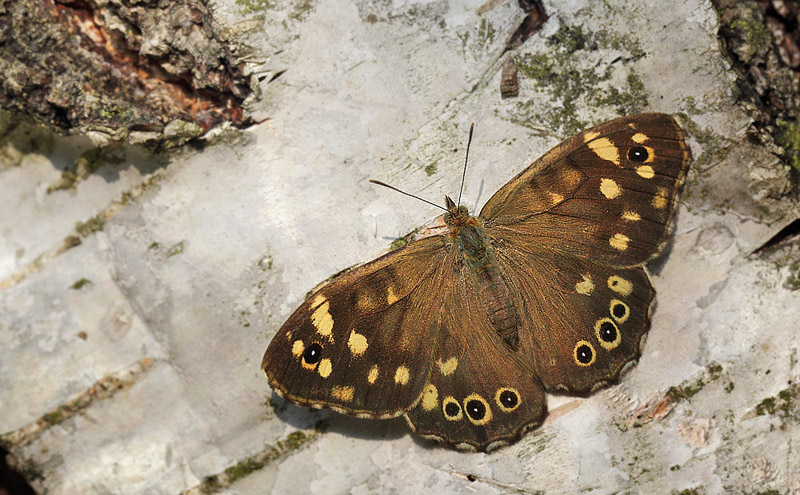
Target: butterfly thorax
column 477, row 261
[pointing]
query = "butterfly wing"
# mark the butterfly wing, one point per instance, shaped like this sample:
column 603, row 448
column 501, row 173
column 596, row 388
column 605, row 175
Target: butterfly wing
column 583, row 321
column 479, row 394
column 572, row 233
column 362, row 343
column 606, row 194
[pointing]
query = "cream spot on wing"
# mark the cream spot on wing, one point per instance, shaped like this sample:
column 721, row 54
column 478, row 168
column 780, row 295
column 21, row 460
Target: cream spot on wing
column 325, row 368
column 620, row 285
column 589, row 136
column 609, row 188
column 344, row 394
column 645, row 171
column 556, row 198
column 357, row 343
column 585, row 287
column 322, row 319
column 660, row 199
column 448, row 367
column 402, row 375
column 639, row 138
column 605, row 149
column 289, row 335
column 297, row 348
column 631, row 216
column 619, row 241
column 430, row 397
column 373, row 374
column 318, row 299
column 390, row 297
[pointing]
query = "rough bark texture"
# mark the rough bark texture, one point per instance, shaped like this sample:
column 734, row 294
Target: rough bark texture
column 118, row 68
column 136, row 301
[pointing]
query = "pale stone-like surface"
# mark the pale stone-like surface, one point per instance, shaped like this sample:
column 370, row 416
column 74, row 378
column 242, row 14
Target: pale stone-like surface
column 196, row 274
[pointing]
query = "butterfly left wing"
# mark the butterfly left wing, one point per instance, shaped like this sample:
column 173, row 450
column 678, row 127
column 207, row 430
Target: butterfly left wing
column 480, row 394
column 356, row 345
column 608, row 194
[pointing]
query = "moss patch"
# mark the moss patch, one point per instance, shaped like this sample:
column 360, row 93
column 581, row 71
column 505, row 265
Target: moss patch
column 94, row 224
column 247, row 7
column 788, row 138
column 430, row 169
column 293, row 441
column 175, row 250
column 80, row 283
column 781, row 405
column 573, row 84
column 690, row 388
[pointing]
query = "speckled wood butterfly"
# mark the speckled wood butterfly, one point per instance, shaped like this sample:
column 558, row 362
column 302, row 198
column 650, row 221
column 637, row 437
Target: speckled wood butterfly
column 545, row 290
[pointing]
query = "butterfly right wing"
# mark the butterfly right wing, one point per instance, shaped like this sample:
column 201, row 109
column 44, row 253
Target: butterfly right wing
column 363, row 344
column 571, row 234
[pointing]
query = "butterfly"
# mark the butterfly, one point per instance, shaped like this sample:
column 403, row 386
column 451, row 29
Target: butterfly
column 544, row 291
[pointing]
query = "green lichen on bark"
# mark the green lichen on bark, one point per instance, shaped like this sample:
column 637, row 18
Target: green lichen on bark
column 571, row 83
column 292, row 442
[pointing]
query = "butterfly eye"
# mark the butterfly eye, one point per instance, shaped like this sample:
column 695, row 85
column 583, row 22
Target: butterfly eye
column 583, row 353
column 507, row 399
column 638, row 154
column 607, row 332
column 452, row 409
column 312, row 354
column 477, row 409
column 619, row 310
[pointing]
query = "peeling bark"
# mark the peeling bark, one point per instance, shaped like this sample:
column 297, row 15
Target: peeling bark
column 118, row 67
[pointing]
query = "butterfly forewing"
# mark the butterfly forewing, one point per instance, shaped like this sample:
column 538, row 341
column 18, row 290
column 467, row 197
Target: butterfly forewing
column 360, row 344
column 611, row 190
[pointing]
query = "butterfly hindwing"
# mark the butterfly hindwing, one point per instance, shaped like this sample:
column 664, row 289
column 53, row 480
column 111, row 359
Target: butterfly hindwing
column 581, row 322
column 608, row 193
column 357, row 345
column 480, row 394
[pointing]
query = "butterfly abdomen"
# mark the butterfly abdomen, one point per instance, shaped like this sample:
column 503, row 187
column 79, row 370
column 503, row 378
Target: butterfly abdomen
column 488, row 282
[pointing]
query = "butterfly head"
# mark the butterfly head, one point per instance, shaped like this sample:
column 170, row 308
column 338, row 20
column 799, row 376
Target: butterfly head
column 456, row 216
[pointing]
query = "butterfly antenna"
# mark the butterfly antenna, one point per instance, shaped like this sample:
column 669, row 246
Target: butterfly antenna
column 464, row 173
column 407, row 194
